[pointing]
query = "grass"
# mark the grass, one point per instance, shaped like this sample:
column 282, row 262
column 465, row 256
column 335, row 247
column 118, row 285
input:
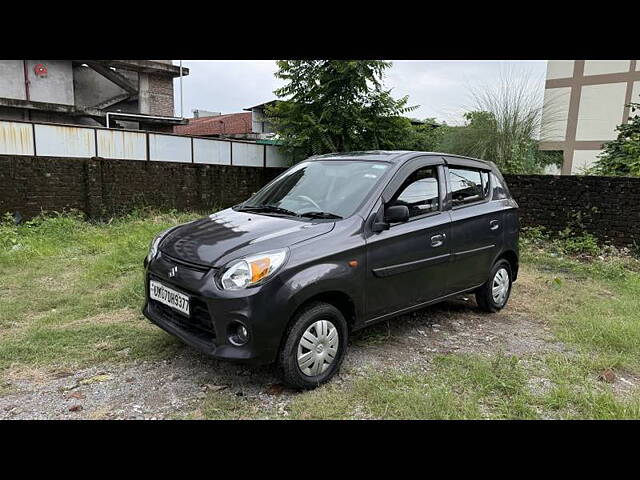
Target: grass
column 592, row 308
column 72, row 290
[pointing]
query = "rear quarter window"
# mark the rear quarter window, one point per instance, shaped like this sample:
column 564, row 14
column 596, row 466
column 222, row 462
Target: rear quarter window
column 499, row 192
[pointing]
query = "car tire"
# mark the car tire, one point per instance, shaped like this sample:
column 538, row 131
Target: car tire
column 493, row 295
column 314, row 346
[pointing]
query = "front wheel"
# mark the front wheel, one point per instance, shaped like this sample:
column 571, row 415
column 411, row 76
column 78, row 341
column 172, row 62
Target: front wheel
column 314, row 347
column 494, row 293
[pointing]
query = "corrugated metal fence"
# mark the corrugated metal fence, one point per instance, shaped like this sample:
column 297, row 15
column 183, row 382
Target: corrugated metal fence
column 55, row 140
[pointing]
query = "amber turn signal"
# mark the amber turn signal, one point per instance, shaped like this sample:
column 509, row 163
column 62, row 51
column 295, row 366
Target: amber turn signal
column 353, row 263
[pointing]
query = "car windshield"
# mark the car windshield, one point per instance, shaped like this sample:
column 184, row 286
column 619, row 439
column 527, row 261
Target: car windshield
column 320, row 189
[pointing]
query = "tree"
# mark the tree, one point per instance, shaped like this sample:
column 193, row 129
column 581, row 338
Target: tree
column 485, row 136
column 502, row 126
column 425, row 136
column 336, row 106
column 621, row 157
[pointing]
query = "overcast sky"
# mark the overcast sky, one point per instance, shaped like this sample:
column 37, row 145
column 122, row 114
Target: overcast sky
column 440, row 88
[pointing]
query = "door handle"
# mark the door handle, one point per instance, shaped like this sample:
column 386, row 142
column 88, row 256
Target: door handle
column 438, row 240
column 494, row 225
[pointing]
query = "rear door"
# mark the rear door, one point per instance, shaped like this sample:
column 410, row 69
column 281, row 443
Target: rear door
column 477, row 224
column 407, row 264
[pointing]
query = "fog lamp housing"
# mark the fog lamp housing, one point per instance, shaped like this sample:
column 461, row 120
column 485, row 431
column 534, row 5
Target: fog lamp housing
column 238, row 334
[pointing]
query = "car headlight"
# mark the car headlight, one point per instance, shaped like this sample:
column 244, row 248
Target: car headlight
column 251, row 270
column 155, row 243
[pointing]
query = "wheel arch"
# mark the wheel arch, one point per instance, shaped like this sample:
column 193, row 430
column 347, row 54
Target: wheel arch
column 339, row 299
column 511, row 257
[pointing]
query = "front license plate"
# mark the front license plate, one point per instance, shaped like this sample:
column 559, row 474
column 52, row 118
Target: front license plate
column 169, row 296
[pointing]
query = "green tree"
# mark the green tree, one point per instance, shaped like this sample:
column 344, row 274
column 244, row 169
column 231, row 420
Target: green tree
column 336, row 106
column 425, row 137
column 621, row 157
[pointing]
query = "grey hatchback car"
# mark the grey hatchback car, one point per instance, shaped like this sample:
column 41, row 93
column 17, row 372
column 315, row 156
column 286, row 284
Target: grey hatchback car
column 334, row 244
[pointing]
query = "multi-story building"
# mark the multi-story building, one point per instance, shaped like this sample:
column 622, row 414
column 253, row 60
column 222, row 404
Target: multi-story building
column 584, row 102
column 115, row 93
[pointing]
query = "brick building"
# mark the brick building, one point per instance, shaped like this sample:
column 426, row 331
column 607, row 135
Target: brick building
column 236, row 125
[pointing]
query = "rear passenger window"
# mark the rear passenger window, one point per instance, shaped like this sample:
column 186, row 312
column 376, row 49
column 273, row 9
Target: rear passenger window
column 419, row 192
column 468, row 185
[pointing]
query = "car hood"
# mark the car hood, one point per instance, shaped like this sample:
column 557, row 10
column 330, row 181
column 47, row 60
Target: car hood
column 227, row 235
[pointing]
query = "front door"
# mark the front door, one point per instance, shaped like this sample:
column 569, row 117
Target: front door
column 407, row 264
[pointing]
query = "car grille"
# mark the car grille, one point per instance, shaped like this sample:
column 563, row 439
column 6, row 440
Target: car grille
column 198, row 323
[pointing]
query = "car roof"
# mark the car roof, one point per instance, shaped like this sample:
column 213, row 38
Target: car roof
column 393, row 156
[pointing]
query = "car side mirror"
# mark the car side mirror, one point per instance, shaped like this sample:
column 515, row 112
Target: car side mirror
column 396, row 214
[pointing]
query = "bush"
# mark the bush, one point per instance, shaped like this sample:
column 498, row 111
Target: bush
column 585, row 244
column 566, row 242
column 621, row 157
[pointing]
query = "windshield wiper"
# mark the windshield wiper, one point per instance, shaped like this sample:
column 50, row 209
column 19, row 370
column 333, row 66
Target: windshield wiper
column 267, row 209
column 320, row 215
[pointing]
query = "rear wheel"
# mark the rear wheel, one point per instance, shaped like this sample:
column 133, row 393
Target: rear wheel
column 494, row 293
column 314, row 347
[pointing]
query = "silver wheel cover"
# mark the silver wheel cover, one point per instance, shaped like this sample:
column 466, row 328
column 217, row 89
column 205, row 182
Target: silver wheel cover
column 500, row 286
column 318, row 348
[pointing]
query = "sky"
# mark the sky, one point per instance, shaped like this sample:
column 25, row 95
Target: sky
column 441, row 89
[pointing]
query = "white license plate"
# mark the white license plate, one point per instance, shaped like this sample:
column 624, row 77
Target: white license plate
column 169, row 297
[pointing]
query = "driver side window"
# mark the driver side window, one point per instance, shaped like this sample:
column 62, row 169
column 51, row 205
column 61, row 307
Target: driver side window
column 419, row 192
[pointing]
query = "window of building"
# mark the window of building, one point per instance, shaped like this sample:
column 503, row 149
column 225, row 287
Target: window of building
column 419, row 192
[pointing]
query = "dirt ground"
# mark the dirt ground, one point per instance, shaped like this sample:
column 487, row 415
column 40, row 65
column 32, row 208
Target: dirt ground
column 173, row 388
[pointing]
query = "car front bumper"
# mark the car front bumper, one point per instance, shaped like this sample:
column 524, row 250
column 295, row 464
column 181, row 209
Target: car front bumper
column 215, row 312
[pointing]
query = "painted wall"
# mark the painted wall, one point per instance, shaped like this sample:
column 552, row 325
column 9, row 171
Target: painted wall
column 46, row 140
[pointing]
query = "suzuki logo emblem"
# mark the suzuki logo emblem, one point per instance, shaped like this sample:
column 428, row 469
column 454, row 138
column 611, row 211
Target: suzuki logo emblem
column 173, row 272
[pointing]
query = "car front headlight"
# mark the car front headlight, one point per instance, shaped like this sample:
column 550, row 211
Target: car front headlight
column 252, row 270
column 155, row 243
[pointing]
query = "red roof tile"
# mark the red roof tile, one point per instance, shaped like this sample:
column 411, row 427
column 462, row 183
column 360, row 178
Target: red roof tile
column 232, row 123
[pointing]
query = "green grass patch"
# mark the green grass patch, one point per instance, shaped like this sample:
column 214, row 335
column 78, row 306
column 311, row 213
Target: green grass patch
column 71, row 293
column 72, row 290
column 453, row 387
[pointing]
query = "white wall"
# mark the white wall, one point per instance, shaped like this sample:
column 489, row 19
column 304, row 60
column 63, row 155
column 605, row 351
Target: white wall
column 600, row 67
column 16, row 138
column 169, row 148
column 559, row 69
column 248, row 154
column 600, row 112
column 122, row 145
column 59, row 141
column 211, row 151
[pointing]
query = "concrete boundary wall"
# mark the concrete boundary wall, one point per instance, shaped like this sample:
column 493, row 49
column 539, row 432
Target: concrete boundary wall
column 69, row 141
